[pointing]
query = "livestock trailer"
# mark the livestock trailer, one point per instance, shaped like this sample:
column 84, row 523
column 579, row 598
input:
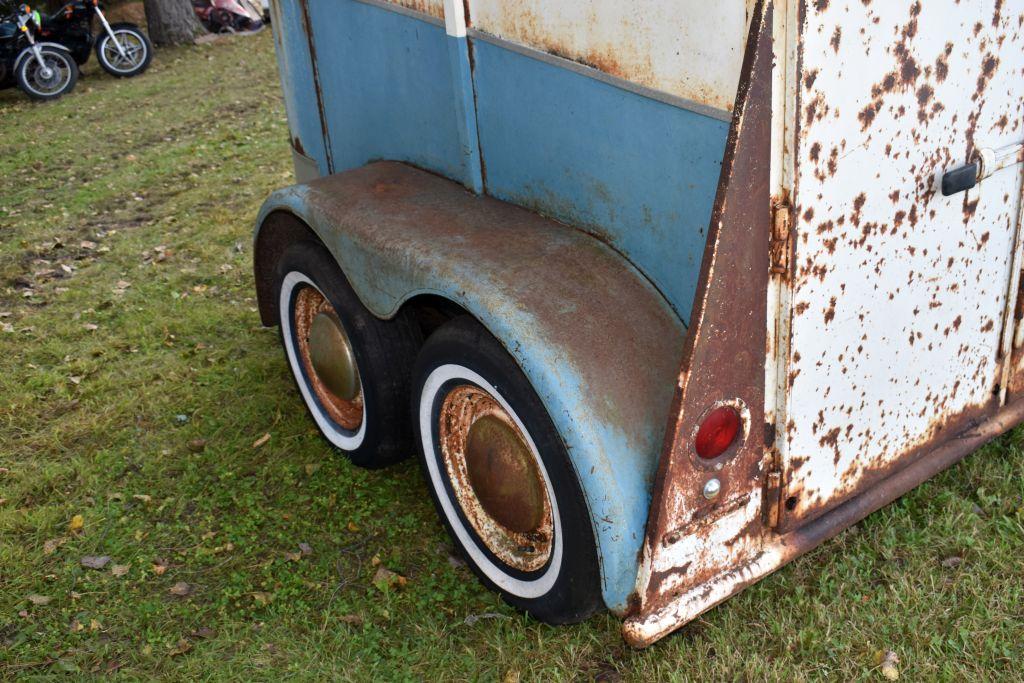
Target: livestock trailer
column 664, row 293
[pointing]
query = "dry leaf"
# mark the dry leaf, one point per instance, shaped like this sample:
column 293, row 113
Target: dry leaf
column 75, row 626
column 353, row 619
column 95, row 561
column 293, row 557
column 262, row 440
column 311, row 468
column 91, row 327
column 120, row 569
column 95, row 625
column 952, row 562
column 305, row 549
column 197, row 445
column 511, row 676
column 142, row 497
column 352, row 527
column 181, row 648
column 159, row 568
column 181, row 589
column 890, row 665
column 385, row 578
column 76, row 524
column 262, row 597
column 50, row 546
column 86, row 244
column 204, row 632
column 40, row 600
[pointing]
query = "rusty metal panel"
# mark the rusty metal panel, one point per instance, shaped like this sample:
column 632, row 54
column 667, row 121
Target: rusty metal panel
column 898, row 293
column 664, row 45
column 703, row 540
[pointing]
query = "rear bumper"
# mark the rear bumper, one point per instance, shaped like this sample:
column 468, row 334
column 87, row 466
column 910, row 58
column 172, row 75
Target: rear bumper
column 658, row 620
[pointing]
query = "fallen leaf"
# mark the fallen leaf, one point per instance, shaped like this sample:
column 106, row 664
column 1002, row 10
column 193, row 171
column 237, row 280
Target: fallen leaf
column 511, row 676
column 353, row 619
column 95, row 561
column 352, row 527
column 181, row 648
column 95, row 625
column 889, row 665
column 197, row 445
column 181, row 589
column 262, row 597
column 143, row 497
column 262, row 440
column 385, row 579
column 40, row 600
column 311, row 468
column 952, row 562
column 50, row 546
column 204, row 632
column 120, row 569
column 305, row 549
column 159, row 568
column 86, row 244
column 76, row 524
column 91, row 327
column 293, row 557
column 75, row 626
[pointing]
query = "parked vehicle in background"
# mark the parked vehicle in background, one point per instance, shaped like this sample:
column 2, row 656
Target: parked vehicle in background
column 122, row 49
column 665, row 293
column 43, row 70
column 228, row 16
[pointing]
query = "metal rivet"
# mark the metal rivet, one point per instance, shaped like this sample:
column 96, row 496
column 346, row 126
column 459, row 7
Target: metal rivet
column 712, row 489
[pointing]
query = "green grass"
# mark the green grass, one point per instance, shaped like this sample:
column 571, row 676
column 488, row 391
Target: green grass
column 164, row 174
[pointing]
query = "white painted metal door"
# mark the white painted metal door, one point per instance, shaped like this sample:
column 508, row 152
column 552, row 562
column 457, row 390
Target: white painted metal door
column 898, row 294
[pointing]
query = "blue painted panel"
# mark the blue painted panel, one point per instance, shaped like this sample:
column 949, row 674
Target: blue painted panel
column 639, row 173
column 296, row 69
column 389, row 90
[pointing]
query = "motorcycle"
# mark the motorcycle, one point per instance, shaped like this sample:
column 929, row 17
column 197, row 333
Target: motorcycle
column 122, row 49
column 228, row 16
column 43, row 70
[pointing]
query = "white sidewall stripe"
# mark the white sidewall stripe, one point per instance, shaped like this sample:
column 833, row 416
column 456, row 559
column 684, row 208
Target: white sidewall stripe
column 534, row 588
column 346, row 441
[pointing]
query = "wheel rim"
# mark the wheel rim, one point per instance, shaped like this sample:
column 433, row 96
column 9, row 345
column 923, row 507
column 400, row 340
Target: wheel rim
column 496, row 479
column 134, row 52
column 327, row 358
column 49, row 77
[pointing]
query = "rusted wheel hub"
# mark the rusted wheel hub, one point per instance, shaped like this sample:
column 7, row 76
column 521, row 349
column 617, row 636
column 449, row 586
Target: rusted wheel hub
column 328, row 358
column 496, row 477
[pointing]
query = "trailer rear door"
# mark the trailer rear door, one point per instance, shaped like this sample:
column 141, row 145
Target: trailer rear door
column 899, row 294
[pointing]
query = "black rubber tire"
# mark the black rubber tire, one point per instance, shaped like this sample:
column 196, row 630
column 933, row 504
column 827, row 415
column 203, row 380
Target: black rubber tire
column 384, row 351
column 22, row 78
column 127, row 28
column 575, row 589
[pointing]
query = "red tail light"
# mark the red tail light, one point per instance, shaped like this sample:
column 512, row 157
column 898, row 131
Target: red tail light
column 717, row 432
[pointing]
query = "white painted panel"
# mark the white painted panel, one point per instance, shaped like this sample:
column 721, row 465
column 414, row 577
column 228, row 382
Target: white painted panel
column 688, row 48
column 434, row 8
column 898, row 292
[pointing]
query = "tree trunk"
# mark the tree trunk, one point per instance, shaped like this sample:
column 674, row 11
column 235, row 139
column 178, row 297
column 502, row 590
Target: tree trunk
column 172, row 22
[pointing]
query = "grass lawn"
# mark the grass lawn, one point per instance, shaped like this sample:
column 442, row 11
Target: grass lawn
column 137, row 389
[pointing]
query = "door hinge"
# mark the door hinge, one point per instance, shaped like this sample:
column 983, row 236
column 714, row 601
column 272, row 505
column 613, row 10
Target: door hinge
column 780, row 247
column 772, row 496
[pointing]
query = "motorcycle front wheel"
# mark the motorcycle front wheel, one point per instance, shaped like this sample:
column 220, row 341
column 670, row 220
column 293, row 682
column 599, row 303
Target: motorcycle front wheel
column 49, row 77
column 134, row 56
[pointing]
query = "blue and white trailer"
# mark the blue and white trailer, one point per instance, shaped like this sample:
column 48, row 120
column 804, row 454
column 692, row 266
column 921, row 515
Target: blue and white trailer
column 663, row 293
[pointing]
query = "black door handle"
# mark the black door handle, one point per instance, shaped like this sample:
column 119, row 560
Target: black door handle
column 959, row 179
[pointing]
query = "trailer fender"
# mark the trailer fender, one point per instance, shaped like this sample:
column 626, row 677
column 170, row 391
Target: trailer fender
column 594, row 337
